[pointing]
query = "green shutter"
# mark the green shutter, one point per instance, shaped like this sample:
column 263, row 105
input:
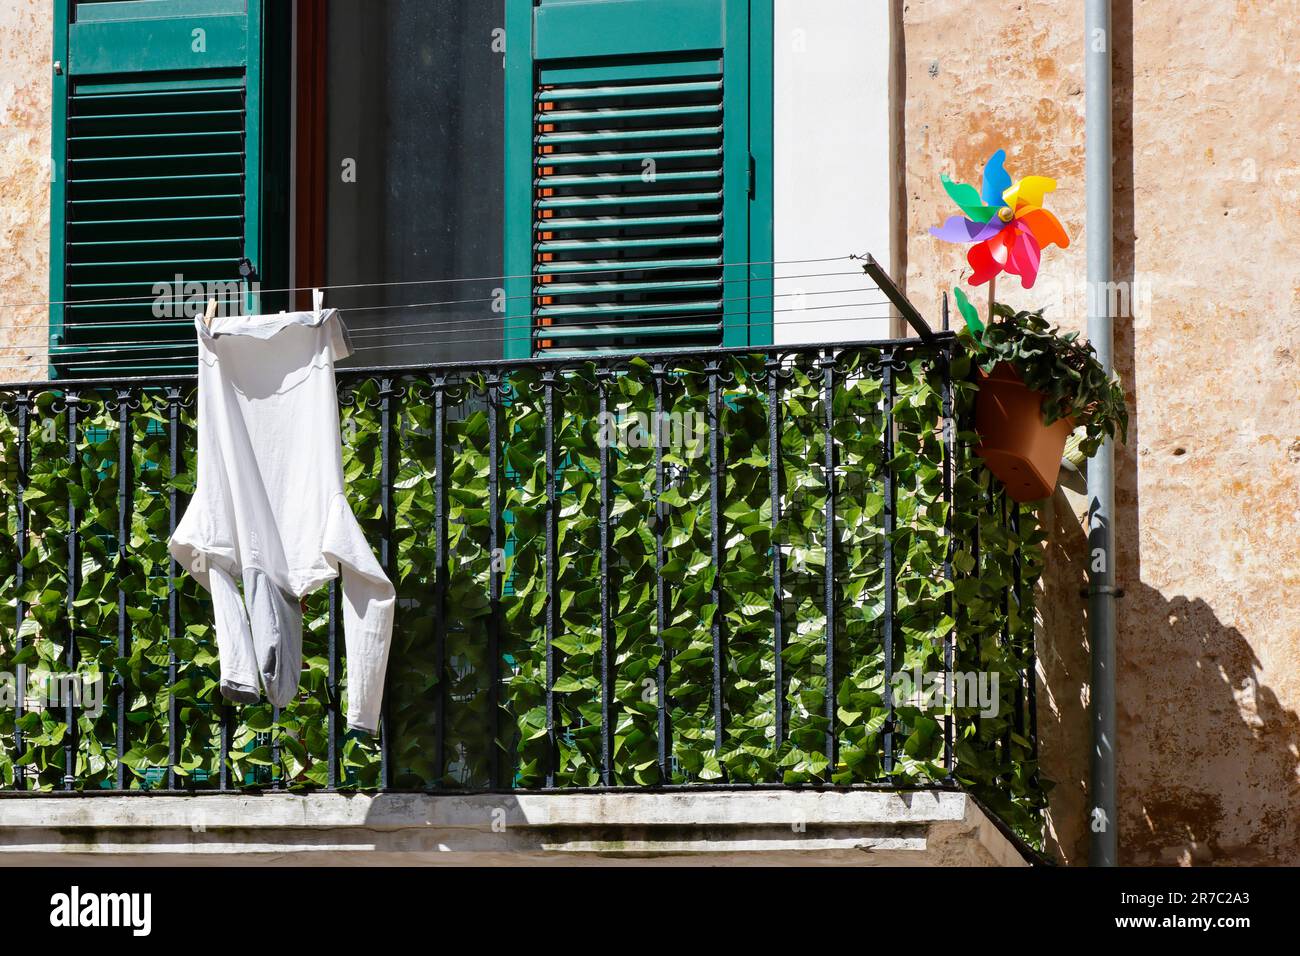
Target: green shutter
column 164, row 167
column 631, row 212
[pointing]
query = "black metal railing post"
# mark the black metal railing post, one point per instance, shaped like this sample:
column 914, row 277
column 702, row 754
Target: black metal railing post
column 493, row 385
column 23, row 405
column 388, row 390
column 887, row 360
column 606, row 676
column 778, row 554
column 124, row 403
column 826, row 363
column 173, row 395
column 998, row 508
column 664, row 747
column 440, row 689
column 713, row 369
column 549, row 384
column 72, row 403
column 949, row 428
column 333, row 692
column 1024, row 650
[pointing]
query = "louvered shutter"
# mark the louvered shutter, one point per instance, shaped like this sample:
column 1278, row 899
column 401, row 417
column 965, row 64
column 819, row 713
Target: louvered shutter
column 163, row 169
column 629, row 177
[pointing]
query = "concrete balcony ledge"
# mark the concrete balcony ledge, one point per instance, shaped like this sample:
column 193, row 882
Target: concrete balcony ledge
column 713, row 827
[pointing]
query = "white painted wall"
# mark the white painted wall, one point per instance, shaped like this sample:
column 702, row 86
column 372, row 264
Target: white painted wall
column 831, row 166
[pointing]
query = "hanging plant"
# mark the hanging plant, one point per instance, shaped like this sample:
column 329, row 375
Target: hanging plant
column 1062, row 368
column 1037, row 384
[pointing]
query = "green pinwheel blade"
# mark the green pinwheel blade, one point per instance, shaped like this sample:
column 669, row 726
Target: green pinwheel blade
column 969, row 313
column 967, row 198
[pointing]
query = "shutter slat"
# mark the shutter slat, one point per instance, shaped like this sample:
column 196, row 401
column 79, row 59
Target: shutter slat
column 587, row 311
column 580, row 116
column 614, row 136
column 632, row 90
column 630, row 331
column 609, row 288
column 628, row 199
column 637, row 156
column 632, row 222
column 606, row 245
column 607, row 179
column 624, row 266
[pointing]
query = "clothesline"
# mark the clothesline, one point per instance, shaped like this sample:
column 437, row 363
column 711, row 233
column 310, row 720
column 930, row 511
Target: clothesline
column 196, row 299
column 184, row 350
column 450, row 322
column 626, row 266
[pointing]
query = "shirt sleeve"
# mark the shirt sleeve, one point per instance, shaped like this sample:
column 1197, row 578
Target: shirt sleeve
column 369, row 604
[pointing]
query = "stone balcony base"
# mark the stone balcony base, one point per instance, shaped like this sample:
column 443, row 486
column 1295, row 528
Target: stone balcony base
column 713, row 827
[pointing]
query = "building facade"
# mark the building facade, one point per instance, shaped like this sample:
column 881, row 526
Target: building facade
column 400, row 143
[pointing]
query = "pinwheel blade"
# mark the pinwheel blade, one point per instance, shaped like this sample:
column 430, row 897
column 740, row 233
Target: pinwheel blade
column 961, row 229
column 1028, row 192
column 1024, row 257
column 1047, row 229
column 986, row 260
column 968, row 200
column 996, row 179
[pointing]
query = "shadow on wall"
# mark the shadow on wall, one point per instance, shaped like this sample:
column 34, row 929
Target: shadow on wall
column 1064, row 728
column 1215, row 752
column 1207, row 756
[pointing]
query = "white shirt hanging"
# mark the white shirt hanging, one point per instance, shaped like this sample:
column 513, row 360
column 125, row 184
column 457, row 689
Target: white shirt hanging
column 269, row 507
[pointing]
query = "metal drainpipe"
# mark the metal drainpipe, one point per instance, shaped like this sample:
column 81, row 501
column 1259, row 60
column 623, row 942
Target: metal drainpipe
column 1101, row 469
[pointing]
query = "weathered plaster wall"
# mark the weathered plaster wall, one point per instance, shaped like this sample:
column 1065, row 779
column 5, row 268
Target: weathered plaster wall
column 25, row 43
column 1206, row 101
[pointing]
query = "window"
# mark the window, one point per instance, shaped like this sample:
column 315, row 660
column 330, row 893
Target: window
column 169, row 166
column 412, row 168
column 607, row 172
column 635, row 198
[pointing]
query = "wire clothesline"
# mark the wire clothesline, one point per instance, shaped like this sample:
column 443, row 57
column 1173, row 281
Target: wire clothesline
column 188, row 321
column 538, row 332
column 451, row 322
column 625, row 266
column 436, row 336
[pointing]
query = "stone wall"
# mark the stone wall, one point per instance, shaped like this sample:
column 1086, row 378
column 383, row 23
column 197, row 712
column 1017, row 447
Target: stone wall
column 1206, row 100
column 25, row 71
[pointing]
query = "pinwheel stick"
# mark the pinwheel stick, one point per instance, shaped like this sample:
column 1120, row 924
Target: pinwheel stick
column 993, row 284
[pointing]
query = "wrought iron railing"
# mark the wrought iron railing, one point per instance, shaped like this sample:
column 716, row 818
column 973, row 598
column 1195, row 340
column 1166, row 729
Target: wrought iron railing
column 611, row 572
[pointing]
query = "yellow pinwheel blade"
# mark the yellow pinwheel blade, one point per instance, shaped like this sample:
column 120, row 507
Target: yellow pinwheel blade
column 1028, row 192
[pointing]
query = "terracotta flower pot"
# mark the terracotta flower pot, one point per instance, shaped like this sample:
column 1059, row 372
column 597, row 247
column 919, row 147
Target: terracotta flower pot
column 1018, row 448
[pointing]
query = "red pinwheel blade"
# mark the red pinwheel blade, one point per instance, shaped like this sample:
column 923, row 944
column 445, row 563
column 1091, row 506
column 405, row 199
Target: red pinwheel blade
column 989, row 258
column 1025, row 257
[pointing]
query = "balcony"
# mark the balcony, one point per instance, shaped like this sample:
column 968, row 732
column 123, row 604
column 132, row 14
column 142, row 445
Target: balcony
column 726, row 578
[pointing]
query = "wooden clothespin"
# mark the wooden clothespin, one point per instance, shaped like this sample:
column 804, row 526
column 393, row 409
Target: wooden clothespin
column 211, row 313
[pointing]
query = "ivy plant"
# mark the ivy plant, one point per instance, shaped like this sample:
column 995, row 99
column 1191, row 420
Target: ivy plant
column 1062, row 367
column 677, row 537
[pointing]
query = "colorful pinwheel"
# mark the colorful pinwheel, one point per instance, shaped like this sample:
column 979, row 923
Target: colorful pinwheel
column 1006, row 222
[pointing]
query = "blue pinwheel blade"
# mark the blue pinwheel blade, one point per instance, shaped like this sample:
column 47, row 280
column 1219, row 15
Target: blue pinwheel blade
column 996, row 179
